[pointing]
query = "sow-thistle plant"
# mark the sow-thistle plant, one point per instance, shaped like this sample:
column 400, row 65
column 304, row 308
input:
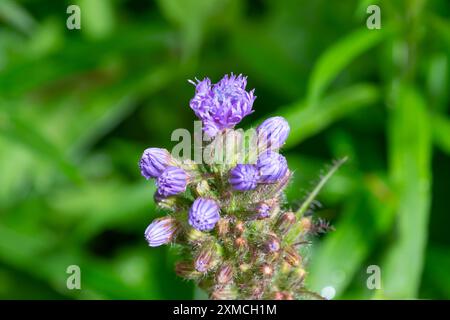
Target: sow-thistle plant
column 237, row 237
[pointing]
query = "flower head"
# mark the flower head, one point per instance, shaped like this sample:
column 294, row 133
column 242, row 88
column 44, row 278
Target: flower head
column 160, row 231
column 272, row 133
column 244, row 177
column 153, row 162
column 272, row 167
column 222, row 105
column 204, row 214
column 173, row 180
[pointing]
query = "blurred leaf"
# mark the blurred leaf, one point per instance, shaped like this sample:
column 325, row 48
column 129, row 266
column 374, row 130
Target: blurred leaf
column 310, row 120
column 441, row 132
column 337, row 57
column 17, row 16
column 23, row 132
column 364, row 220
column 97, row 17
column 410, row 171
column 436, row 269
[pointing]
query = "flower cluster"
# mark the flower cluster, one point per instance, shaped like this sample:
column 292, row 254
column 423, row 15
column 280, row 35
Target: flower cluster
column 238, row 241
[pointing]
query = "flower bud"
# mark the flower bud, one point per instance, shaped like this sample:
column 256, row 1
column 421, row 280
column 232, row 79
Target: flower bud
column 204, row 214
column 272, row 244
column 266, row 270
column 292, row 257
column 186, row 270
column 278, row 295
column 272, row 133
column 228, row 292
column 286, row 221
column 244, row 267
column 202, row 188
column 263, row 210
column 306, row 224
column 168, row 203
column 223, row 227
column 240, row 243
column 207, row 259
column 239, row 227
column 154, row 161
column 225, row 274
column 173, row 180
column 195, row 237
column 161, row 231
column 288, row 296
column 272, row 167
column 257, row 292
column 244, row 177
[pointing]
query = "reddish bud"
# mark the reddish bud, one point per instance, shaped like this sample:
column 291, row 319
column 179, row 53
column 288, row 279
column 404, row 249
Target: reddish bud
column 286, row 221
column 266, row 270
column 239, row 227
column 292, row 257
column 272, row 244
column 185, row 269
column 225, row 274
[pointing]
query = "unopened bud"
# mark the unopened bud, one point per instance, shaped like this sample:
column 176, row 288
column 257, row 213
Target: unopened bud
column 292, row 257
column 285, row 267
column 305, row 224
column 185, row 269
column 223, row 227
column 244, row 267
column 288, row 296
column 272, row 244
column 225, row 274
column 239, row 227
column 202, row 189
column 282, row 295
column 207, row 259
column 195, row 236
column 257, row 292
column 168, row 203
column 266, row 270
column 224, row 293
column 240, row 243
column 278, row 295
column 286, row 221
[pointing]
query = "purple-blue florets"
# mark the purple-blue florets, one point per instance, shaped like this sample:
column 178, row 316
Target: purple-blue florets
column 244, row 177
column 160, row 231
column 272, row 133
column 272, row 166
column 173, row 180
column 222, row 105
column 204, row 214
column 153, row 162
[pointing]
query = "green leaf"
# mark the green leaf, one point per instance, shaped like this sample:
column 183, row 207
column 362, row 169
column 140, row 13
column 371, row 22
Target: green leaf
column 337, row 57
column 363, row 222
column 310, row 120
column 410, row 171
column 441, row 132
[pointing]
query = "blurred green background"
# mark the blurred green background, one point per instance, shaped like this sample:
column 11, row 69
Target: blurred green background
column 77, row 108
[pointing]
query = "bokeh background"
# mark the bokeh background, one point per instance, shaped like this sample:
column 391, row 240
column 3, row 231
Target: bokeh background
column 77, row 108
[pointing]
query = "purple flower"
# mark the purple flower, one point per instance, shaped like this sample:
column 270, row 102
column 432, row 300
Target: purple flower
column 244, row 177
column 272, row 167
column 153, row 162
column 272, row 133
column 222, row 105
column 263, row 210
column 173, row 180
column 160, row 231
column 204, row 214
